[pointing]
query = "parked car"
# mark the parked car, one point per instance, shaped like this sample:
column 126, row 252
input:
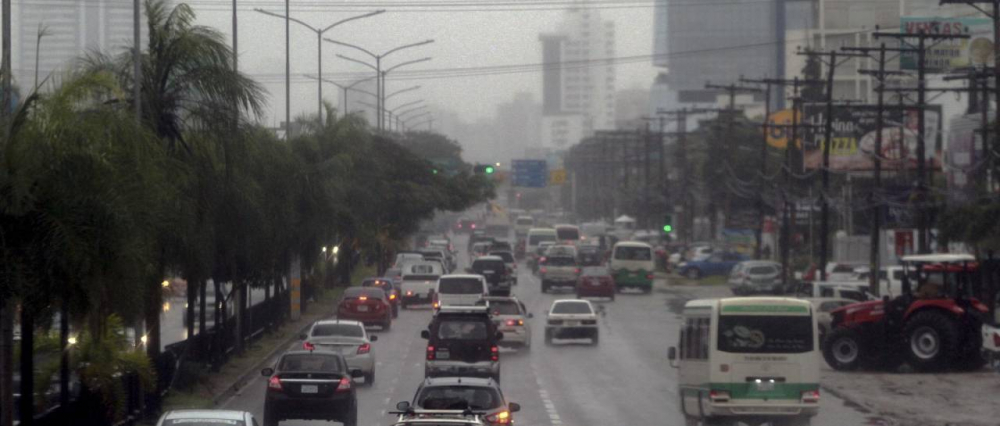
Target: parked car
column 822, row 306
column 348, row 338
column 714, row 264
column 368, row 305
column 206, row 417
column 756, row 277
column 391, row 290
column 511, row 318
column 823, row 289
column 310, row 385
column 595, row 281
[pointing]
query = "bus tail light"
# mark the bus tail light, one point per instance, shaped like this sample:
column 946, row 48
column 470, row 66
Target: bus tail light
column 810, row 396
column 718, row 395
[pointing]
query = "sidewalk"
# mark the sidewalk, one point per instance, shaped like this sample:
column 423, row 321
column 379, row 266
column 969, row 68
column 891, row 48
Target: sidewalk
column 214, row 387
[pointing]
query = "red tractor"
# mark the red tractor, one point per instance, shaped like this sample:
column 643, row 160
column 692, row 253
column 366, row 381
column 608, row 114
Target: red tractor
column 933, row 324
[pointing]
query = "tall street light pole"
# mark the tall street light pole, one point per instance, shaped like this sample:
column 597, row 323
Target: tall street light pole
column 378, row 65
column 345, row 88
column 319, row 45
column 386, row 99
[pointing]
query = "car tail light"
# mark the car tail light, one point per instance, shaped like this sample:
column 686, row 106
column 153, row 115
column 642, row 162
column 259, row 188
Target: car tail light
column 649, row 276
column 502, row 417
column 363, row 298
column 409, row 293
column 543, row 270
column 718, row 396
column 274, row 383
column 511, row 323
column 996, row 339
column 494, row 353
column 810, row 396
column 577, row 270
column 344, row 385
column 430, row 353
column 308, row 346
column 364, row 348
column 473, row 226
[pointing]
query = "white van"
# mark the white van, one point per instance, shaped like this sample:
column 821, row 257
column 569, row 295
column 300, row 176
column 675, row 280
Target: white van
column 460, row 290
column 632, row 265
column 568, row 234
column 750, row 359
column 522, row 225
column 538, row 235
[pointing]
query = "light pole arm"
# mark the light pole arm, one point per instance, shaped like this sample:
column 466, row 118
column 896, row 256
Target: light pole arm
column 361, row 81
column 380, row 11
column 416, row 108
column 408, row 89
column 348, row 58
column 353, row 47
column 316, row 30
column 409, row 104
column 408, row 120
column 368, row 104
column 407, row 46
column 405, row 64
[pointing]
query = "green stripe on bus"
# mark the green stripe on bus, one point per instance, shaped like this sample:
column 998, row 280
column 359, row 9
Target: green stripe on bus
column 780, row 391
column 764, row 308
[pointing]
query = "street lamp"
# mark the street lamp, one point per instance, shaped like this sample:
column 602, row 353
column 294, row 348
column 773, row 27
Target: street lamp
column 378, row 66
column 319, row 45
column 348, row 87
column 416, row 108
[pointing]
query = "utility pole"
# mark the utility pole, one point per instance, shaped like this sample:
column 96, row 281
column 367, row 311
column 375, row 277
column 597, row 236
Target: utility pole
column 7, row 304
column 923, row 237
column 758, row 235
column 824, row 236
column 288, row 71
column 728, row 148
column 688, row 201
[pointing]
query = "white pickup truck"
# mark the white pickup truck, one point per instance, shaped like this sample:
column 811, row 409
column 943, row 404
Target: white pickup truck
column 826, row 289
column 418, row 281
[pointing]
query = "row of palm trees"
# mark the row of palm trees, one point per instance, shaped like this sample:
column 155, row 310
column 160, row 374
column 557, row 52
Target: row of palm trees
column 97, row 207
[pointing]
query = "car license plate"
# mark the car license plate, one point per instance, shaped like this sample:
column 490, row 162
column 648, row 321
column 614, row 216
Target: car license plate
column 488, row 271
column 309, row 389
column 571, row 323
column 765, row 386
column 362, row 308
column 443, row 355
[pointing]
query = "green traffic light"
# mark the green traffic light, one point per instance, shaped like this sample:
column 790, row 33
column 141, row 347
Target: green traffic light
column 490, row 170
column 435, row 171
column 668, row 228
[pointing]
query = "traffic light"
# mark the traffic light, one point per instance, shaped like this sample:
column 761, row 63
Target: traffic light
column 484, row 169
column 668, row 223
column 489, row 170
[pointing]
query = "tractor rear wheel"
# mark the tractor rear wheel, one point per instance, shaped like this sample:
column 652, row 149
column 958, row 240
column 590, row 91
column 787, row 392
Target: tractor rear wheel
column 931, row 339
column 843, row 349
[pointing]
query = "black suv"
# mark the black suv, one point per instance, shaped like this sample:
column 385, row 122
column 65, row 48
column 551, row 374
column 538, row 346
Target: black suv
column 311, row 385
column 478, row 395
column 462, row 341
column 494, row 269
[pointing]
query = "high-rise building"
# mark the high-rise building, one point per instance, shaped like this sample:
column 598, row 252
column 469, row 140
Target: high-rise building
column 578, row 95
column 71, row 28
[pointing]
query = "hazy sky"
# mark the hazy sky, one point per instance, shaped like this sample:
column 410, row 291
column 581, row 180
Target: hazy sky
column 462, row 39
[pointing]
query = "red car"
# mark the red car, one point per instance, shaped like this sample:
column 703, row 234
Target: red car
column 387, row 286
column 595, row 281
column 368, row 305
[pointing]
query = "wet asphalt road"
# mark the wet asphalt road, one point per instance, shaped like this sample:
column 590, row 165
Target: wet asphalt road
column 625, row 380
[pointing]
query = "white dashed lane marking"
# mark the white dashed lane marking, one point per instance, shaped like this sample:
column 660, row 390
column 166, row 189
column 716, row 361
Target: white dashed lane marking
column 550, row 407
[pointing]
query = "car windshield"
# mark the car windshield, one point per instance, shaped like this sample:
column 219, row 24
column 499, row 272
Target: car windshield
column 315, row 362
column 572, row 308
column 460, row 286
column 204, row 422
column 456, row 329
column 504, row 307
column 329, row 330
column 758, row 334
column 458, row 398
column 633, row 253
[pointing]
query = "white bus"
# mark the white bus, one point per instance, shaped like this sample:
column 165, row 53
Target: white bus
column 749, row 359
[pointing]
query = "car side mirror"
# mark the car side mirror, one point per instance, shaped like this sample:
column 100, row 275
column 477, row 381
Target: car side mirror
column 514, row 407
column 303, row 336
column 357, row 373
column 267, row 372
column 425, row 334
column 403, row 405
column 372, row 338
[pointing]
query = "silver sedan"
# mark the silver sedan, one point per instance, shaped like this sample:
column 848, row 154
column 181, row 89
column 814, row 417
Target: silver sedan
column 348, row 338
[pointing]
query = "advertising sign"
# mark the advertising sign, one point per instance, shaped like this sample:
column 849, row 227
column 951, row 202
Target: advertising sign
column 853, row 144
column 778, row 131
column 945, row 55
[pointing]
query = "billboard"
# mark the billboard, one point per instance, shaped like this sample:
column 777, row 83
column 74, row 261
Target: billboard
column 853, row 141
column 945, row 55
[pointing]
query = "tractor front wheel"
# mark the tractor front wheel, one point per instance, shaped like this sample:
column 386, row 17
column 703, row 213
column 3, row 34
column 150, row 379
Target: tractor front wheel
column 843, row 349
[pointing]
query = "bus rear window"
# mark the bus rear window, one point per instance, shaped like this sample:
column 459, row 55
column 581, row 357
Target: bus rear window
column 568, row 234
column 633, row 253
column 758, row 334
column 537, row 238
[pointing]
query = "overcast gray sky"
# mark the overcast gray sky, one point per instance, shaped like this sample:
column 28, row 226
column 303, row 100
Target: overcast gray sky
column 462, row 39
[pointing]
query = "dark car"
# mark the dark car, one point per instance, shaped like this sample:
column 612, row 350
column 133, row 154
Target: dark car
column 595, row 281
column 509, row 260
column 589, row 255
column 462, row 341
column 463, row 393
column 494, row 269
column 390, row 288
column 368, row 305
column 306, row 385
